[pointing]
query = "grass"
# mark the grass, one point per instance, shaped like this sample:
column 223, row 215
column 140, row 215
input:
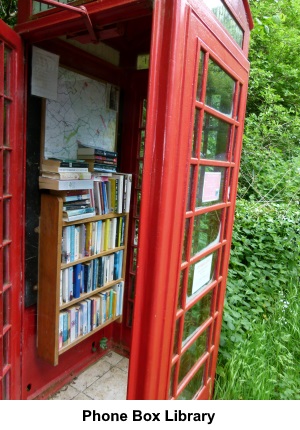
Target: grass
column 266, row 364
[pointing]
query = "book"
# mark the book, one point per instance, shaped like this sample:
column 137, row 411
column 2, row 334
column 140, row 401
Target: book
column 86, row 150
column 72, row 317
column 83, row 308
column 70, row 218
column 75, row 184
column 65, row 328
column 58, row 169
column 58, row 162
column 127, row 192
column 60, row 331
column 70, row 283
column 76, row 281
column 65, row 285
column 66, row 175
column 66, row 245
column 120, row 190
column 98, row 158
column 72, row 195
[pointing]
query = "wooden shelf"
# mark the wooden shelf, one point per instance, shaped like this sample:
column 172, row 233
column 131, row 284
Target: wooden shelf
column 50, row 266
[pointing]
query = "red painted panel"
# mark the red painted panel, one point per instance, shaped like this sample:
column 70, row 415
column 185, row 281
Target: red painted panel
column 15, row 215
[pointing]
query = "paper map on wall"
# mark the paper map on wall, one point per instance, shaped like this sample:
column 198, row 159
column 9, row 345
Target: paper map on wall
column 79, row 115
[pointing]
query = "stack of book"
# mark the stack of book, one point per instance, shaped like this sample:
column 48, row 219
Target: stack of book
column 99, row 160
column 71, row 180
column 59, row 174
column 77, row 204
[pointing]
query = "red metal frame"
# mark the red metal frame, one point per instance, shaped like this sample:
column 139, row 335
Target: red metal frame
column 13, row 218
column 164, row 194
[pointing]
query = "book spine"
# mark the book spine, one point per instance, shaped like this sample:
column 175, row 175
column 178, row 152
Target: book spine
column 70, row 284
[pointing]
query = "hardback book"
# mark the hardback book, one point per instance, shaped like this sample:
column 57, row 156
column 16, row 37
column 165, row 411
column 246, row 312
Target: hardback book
column 60, row 330
column 72, row 243
column 72, row 195
column 83, row 307
column 72, row 311
column 75, row 184
column 65, row 285
column 86, row 150
column 66, row 175
column 65, row 329
column 76, row 281
column 100, row 167
column 127, row 192
column 70, row 283
column 89, row 315
column 70, row 218
column 78, row 204
column 58, row 169
column 66, row 245
column 87, row 277
column 103, row 296
column 70, row 163
column 120, row 190
column 98, row 159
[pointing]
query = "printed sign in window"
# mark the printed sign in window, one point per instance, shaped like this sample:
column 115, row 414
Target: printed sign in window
column 211, row 187
column 202, row 273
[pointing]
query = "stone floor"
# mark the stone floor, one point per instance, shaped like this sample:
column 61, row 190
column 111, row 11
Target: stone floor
column 104, row 380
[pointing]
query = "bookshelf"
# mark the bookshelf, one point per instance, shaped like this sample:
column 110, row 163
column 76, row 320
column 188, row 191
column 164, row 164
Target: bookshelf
column 50, row 304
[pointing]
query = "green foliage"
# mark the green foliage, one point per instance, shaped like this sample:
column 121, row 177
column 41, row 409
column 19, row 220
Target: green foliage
column 259, row 355
column 8, row 11
column 265, row 366
column 103, row 343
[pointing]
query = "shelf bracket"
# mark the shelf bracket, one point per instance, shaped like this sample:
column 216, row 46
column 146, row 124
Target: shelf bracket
column 82, row 10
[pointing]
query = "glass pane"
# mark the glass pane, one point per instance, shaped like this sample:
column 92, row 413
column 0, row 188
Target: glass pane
column 176, row 338
column 206, row 231
column 130, row 314
column 136, row 232
column 215, row 138
column 144, row 113
column 220, row 89
column 190, row 188
column 138, row 203
column 200, row 77
column 134, row 260
column 210, row 187
column 196, row 316
column 193, row 386
column 180, row 304
column 132, row 287
column 140, row 175
column 193, row 354
column 142, row 144
column 225, row 17
column 201, row 274
column 6, row 123
column 185, row 240
column 195, row 142
column 7, row 61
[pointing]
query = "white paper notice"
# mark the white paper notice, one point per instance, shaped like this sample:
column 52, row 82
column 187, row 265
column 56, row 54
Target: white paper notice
column 211, row 186
column 202, row 271
column 44, row 76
